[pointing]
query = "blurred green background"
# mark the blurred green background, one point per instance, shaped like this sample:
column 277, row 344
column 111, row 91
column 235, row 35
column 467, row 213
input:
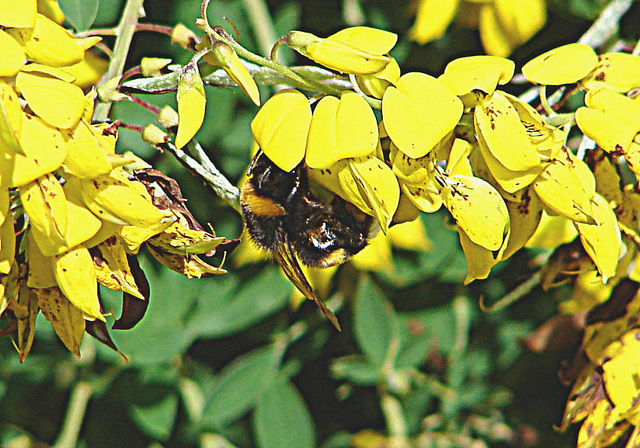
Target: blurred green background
column 225, row 362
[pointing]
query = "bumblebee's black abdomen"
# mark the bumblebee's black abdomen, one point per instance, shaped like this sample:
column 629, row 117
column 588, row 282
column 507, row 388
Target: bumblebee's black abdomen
column 325, row 236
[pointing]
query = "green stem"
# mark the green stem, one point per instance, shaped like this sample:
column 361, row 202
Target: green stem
column 125, row 31
column 211, row 440
column 396, row 423
column 80, row 396
column 222, row 187
column 262, row 24
column 256, row 59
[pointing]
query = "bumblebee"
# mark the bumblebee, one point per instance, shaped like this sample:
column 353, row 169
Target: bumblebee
column 285, row 218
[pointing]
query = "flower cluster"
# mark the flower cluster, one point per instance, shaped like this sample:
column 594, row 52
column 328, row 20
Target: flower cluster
column 456, row 141
column 504, row 171
column 73, row 213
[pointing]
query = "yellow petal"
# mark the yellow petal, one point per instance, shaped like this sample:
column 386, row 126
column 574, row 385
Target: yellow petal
column 620, row 371
column 602, row 239
column 409, row 171
column 44, row 151
column 89, row 71
column 51, row 9
column 609, row 131
column 76, row 277
column 85, row 158
column 546, row 139
column 561, row 190
column 478, row 209
column 563, row 65
column 425, row 199
column 341, row 129
column 45, row 204
column 479, row 260
column 18, row 14
column 7, row 246
column 67, row 320
column 371, row 40
column 112, row 267
column 520, row 19
column 619, row 71
column 504, row 134
column 375, row 84
column 376, row 256
column 281, row 128
column 419, row 112
column 410, row 235
column 510, row 181
column 224, row 56
column 40, row 266
column 191, row 104
column 114, row 198
column 337, row 55
column 12, row 57
column 10, row 120
column 481, row 73
column 552, row 232
column 180, row 239
column 371, row 185
column 432, row 19
column 524, row 218
column 82, row 224
column 495, row 38
column 48, row 43
column 57, row 102
column 191, row 266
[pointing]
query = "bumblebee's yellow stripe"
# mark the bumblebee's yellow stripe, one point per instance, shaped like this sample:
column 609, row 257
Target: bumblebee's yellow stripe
column 259, row 205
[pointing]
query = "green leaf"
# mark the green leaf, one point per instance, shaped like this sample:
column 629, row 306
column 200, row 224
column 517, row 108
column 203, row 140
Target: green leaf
column 375, row 323
column 281, row 418
column 162, row 335
column 356, row 371
column 239, row 386
column 229, row 308
column 156, row 418
column 80, row 13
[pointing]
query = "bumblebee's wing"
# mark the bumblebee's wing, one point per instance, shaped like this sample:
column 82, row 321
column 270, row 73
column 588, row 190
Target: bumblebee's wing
column 287, row 260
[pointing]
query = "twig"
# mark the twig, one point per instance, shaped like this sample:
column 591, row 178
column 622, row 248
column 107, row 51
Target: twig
column 74, row 416
column 114, row 31
column 262, row 24
column 211, row 175
column 125, row 30
column 396, row 424
column 606, row 25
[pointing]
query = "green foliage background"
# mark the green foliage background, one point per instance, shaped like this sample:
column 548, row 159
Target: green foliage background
column 224, row 360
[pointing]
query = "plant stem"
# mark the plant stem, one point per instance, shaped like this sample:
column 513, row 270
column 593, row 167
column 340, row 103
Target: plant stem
column 210, row 174
column 114, row 31
column 262, row 24
column 125, row 30
column 76, row 409
column 396, row 424
column 256, row 59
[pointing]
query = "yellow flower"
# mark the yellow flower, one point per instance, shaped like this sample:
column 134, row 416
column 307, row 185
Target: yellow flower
column 357, row 50
column 418, row 112
column 504, row 24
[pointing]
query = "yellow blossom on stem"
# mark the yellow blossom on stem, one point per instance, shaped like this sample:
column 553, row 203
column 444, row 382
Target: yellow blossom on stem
column 418, row 112
column 357, row 51
column 281, row 128
column 340, row 129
